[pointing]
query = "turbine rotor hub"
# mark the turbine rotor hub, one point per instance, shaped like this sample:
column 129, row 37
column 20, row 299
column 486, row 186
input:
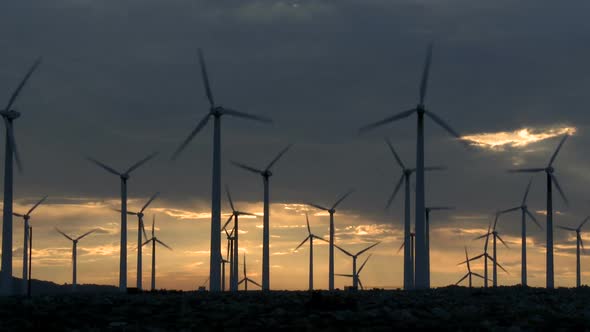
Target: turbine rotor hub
column 420, row 108
column 216, row 111
column 550, row 169
column 11, row 115
column 140, row 214
column 125, row 176
column 267, row 174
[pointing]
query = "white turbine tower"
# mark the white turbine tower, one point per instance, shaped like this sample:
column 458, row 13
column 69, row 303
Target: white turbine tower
column 310, row 238
column 153, row 240
column 331, row 211
column 524, row 213
column 266, row 174
column 246, row 280
column 75, row 255
column 140, row 231
column 123, row 245
column 579, row 243
column 405, row 178
column 355, row 279
column 10, row 155
column 469, row 273
column 428, row 210
column 215, row 111
column 551, row 179
column 26, row 217
column 421, row 270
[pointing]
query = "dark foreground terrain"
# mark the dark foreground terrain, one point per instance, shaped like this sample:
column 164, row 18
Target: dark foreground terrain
column 452, row 308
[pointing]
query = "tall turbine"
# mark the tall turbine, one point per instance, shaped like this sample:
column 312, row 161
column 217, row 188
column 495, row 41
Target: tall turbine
column 331, row 211
column 579, row 243
column 215, row 111
column 246, row 280
column 310, row 237
column 469, row 273
column 26, row 217
column 524, row 213
column 266, row 174
column 235, row 216
column 421, row 279
column 354, row 257
column 405, row 178
column 153, row 240
column 428, row 210
column 140, row 231
column 74, row 254
column 123, row 245
column 551, row 179
column 10, row 155
column 356, row 275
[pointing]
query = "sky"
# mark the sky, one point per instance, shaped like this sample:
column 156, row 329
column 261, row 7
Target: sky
column 120, row 80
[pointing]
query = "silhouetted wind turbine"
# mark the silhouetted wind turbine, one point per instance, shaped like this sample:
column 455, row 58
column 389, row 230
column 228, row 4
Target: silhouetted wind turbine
column 246, row 280
column 354, row 257
column 428, row 210
column 412, row 247
column 551, row 179
column 153, row 240
column 331, row 211
column 356, row 276
column 123, row 246
column 74, row 254
column 229, row 257
column 266, row 174
column 405, row 178
column 524, row 212
column 310, row 237
column 579, row 243
column 469, row 273
column 10, row 152
column 140, row 231
column 26, row 217
column 421, row 279
column 485, row 256
column 495, row 236
column 215, row 111
column 235, row 216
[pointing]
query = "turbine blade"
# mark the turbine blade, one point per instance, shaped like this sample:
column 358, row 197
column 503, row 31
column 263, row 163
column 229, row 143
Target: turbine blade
column 231, row 203
column 162, row 243
column 141, row 162
column 566, row 228
column 387, row 120
column 533, row 218
column 10, row 128
column 342, row 198
column 246, row 167
column 399, row 160
column 241, row 213
column 85, row 234
column 363, row 265
column 441, row 208
column 227, row 222
column 581, row 242
column 246, row 115
column 554, row 179
column 583, row 222
column 104, row 166
column 344, row 251
column 458, row 282
column 22, row 84
column 401, row 247
column 360, row 283
column 478, row 275
column 37, row 204
column 394, row 193
column 343, row 275
column 509, row 210
column 193, row 133
column 206, row 78
column 526, row 170
column 442, row 123
column 319, row 238
column 143, row 228
column 367, row 248
column 154, row 196
column 17, row 214
column 526, row 193
column 557, row 150
column 64, row 234
column 302, row 243
column 504, row 243
column 307, row 221
column 482, row 236
column 317, row 206
column 254, row 282
column 274, row 161
column 146, row 242
column 425, row 74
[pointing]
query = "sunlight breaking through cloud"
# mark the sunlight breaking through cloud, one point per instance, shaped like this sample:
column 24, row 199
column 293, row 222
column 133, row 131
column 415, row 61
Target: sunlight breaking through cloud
column 517, row 138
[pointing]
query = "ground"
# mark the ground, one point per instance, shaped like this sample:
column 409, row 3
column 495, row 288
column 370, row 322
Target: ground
column 450, row 308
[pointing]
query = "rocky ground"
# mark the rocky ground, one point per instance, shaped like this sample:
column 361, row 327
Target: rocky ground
column 452, row 308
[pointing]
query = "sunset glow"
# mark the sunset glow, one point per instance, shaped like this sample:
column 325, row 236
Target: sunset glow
column 517, row 138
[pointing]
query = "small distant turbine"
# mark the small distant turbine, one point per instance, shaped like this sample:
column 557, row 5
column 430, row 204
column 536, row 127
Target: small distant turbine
column 486, row 256
column 469, row 273
column 310, row 237
column 266, row 174
column 246, row 280
column 229, row 258
column 495, row 236
column 123, row 245
column 551, row 180
column 412, row 247
column 331, row 211
column 74, row 254
column 355, row 280
column 579, row 243
column 26, row 217
column 428, row 210
column 153, row 240
column 356, row 276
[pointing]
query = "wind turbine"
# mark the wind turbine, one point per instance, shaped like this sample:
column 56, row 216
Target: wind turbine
column 215, row 111
column 485, row 256
column 469, row 273
column 10, row 155
column 153, row 240
column 331, row 211
column 140, row 231
column 495, row 236
column 355, row 279
column 310, row 237
column 524, row 213
column 356, row 276
column 421, row 273
column 579, row 243
column 123, row 249
column 405, row 178
column 74, row 254
column 229, row 258
column 266, row 174
column 427, row 211
column 26, row 217
column 412, row 247
column 551, row 179
column 235, row 216
column 246, row 280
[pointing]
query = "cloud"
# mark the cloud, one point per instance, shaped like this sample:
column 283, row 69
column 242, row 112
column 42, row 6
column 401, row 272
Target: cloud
column 519, row 138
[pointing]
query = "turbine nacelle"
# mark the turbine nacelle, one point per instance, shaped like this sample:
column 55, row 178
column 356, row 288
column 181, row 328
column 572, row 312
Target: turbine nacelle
column 550, row 169
column 216, row 111
column 10, row 114
column 420, row 108
column 124, row 177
